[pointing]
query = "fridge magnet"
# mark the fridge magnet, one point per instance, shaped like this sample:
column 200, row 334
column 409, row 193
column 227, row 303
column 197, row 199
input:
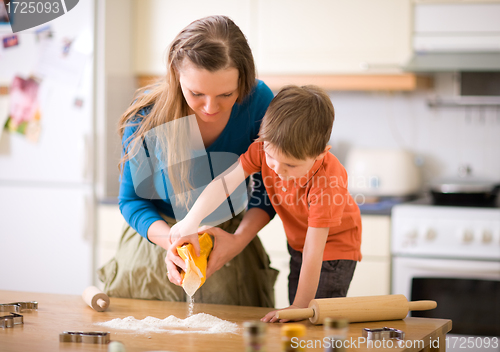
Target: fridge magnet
column 78, row 103
column 44, row 33
column 66, row 46
column 23, row 104
column 33, row 128
column 10, row 41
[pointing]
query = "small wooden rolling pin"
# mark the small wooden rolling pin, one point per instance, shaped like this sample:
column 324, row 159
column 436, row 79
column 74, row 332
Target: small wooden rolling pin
column 95, row 298
column 357, row 309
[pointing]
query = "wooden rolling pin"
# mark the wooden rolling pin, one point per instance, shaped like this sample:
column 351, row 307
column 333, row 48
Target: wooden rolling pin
column 95, row 298
column 357, row 309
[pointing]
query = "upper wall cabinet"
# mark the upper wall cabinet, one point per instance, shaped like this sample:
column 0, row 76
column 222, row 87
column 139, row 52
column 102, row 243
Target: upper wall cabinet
column 332, row 36
column 336, row 44
column 288, row 36
column 157, row 22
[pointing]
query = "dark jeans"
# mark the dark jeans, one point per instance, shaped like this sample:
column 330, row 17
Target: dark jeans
column 336, row 275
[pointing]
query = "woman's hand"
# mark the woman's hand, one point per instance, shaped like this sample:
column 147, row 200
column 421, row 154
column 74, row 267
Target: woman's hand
column 271, row 318
column 226, row 247
column 175, row 262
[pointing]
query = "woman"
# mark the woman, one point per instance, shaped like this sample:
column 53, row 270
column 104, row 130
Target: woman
column 211, row 75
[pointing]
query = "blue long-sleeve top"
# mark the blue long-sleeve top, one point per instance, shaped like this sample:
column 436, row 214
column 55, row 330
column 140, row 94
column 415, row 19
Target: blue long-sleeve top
column 241, row 130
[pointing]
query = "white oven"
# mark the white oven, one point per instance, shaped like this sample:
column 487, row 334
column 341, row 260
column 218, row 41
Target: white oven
column 451, row 255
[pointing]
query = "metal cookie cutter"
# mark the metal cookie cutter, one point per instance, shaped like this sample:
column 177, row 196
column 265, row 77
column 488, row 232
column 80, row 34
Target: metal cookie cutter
column 8, row 321
column 98, row 337
column 18, row 307
column 383, row 334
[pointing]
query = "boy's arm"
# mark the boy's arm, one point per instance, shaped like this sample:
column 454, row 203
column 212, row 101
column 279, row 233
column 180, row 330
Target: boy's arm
column 228, row 245
column 312, row 259
column 213, row 196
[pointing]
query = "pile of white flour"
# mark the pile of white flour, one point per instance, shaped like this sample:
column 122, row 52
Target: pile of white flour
column 198, row 323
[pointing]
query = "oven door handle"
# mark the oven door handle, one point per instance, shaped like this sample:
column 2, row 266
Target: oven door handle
column 487, row 269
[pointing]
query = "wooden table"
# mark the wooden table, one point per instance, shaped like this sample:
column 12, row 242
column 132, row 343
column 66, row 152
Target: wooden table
column 58, row 313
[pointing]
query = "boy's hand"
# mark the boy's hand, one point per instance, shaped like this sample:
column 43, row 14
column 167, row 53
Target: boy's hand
column 271, row 318
column 185, row 228
column 175, row 262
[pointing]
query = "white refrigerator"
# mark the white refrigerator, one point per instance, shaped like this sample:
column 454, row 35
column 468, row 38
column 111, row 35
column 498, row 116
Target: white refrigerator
column 47, row 188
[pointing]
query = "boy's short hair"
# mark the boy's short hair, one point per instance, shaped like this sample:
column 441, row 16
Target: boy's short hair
column 298, row 122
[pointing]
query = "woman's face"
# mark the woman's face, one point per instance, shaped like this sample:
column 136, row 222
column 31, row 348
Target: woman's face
column 210, row 95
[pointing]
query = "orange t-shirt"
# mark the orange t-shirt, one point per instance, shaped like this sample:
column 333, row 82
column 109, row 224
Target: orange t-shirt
column 318, row 199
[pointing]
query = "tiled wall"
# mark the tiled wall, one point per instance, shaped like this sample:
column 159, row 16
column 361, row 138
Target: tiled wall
column 443, row 138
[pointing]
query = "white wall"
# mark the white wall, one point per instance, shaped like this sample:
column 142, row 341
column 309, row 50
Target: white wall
column 444, row 138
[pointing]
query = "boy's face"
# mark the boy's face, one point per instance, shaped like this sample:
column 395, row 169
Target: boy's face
column 286, row 168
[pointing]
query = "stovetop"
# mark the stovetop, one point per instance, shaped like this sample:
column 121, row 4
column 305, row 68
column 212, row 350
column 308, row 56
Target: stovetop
column 429, row 201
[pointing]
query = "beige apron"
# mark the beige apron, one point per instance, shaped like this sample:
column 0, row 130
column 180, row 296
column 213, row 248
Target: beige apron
column 138, row 270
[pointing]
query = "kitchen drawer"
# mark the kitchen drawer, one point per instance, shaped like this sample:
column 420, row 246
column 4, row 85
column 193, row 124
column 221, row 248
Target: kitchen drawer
column 373, row 273
column 109, row 230
column 281, row 263
column 109, row 225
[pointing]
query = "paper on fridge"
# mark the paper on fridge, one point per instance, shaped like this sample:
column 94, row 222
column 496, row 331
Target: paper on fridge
column 60, row 63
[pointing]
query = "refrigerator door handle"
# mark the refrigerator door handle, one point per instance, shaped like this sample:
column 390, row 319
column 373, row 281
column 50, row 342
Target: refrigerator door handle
column 87, row 157
column 88, row 227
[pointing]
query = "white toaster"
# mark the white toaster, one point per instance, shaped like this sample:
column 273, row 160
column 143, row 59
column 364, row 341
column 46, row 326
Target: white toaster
column 382, row 172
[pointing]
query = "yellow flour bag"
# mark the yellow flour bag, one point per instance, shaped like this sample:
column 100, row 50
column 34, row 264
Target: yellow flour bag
column 196, row 267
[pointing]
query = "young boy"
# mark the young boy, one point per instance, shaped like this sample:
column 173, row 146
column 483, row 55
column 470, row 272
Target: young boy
column 307, row 186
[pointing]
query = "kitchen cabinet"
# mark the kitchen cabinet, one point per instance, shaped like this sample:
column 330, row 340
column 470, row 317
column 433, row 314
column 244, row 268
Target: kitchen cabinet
column 352, row 82
column 338, row 45
column 157, row 22
column 373, row 273
column 110, row 224
column 325, row 36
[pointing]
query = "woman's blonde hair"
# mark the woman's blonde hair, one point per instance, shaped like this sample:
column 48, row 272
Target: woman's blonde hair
column 212, row 43
column 298, row 122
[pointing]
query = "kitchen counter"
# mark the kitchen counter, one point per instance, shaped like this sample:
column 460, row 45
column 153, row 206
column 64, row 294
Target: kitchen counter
column 58, row 313
column 383, row 206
